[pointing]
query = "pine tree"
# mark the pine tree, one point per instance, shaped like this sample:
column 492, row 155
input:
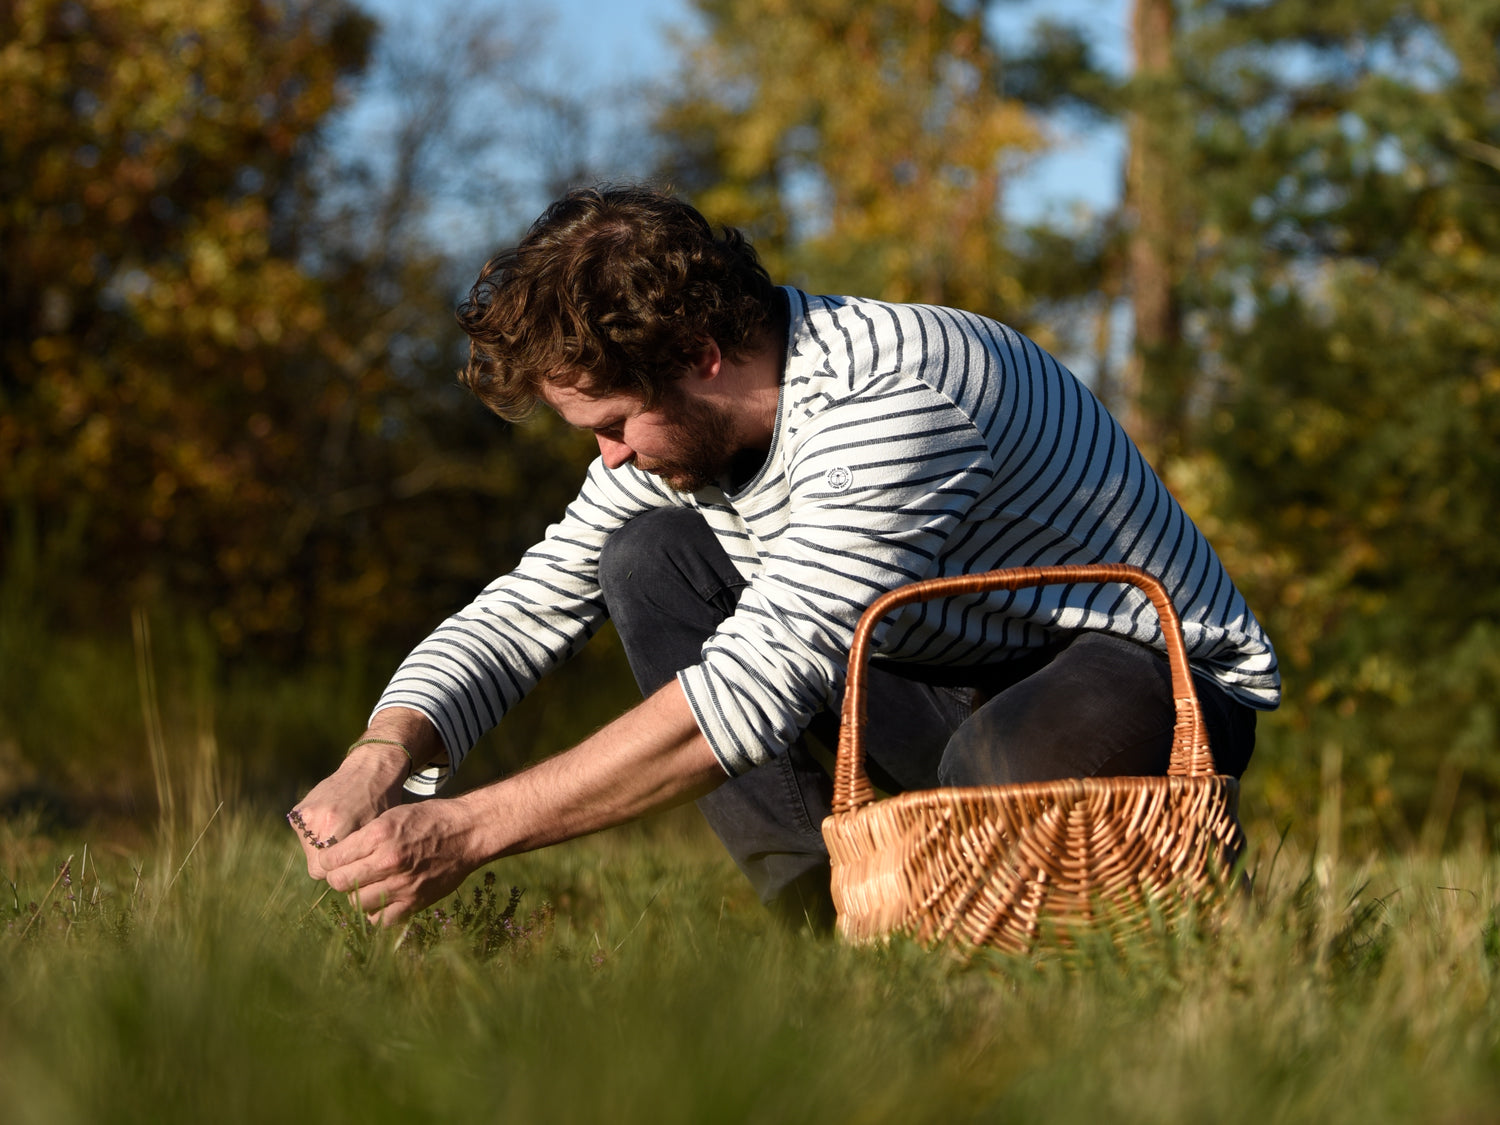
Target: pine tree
column 1346, row 168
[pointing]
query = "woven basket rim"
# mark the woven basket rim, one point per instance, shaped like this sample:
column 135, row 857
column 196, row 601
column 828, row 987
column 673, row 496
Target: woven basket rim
column 1065, row 787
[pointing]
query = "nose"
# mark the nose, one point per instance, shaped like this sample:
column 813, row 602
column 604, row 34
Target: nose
column 615, row 453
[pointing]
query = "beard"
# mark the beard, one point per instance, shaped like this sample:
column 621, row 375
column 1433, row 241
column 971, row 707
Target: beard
column 704, row 438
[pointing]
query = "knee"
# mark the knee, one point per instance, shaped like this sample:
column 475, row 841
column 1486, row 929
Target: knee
column 1101, row 707
column 666, row 563
column 977, row 755
column 636, row 551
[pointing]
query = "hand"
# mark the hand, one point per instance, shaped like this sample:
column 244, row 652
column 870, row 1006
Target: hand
column 402, row 861
column 364, row 786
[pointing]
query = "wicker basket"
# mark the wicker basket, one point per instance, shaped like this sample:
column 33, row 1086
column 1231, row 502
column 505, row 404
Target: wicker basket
column 1003, row 865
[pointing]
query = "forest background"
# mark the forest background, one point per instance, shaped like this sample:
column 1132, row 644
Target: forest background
column 238, row 479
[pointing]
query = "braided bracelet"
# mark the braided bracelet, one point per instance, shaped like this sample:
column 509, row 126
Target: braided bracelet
column 411, row 766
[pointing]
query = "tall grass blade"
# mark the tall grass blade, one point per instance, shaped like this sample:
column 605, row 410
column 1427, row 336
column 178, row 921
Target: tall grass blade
column 61, row 872
column 156, row 742
column 194, row 848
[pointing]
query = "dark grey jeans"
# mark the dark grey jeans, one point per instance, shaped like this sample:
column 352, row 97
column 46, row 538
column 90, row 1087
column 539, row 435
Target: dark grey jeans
column 1095, row 705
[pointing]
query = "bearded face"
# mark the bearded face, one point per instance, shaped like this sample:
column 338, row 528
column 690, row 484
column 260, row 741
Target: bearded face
column 700, row 436
column 686, row 441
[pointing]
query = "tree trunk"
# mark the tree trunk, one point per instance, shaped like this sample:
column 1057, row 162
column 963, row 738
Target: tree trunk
column 1151, row 395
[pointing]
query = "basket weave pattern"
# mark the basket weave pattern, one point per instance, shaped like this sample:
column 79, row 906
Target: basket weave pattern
column 1003, row 865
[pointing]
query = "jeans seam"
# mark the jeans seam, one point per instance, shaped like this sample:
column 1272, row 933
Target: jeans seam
column 708, row 592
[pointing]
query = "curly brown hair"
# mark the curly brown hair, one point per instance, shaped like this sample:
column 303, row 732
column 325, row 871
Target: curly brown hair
column 613, row 289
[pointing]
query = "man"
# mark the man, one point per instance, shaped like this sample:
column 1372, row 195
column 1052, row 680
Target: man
column 769, row 463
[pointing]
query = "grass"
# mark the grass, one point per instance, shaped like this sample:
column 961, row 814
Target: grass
column 191, row 972
column 165, row 979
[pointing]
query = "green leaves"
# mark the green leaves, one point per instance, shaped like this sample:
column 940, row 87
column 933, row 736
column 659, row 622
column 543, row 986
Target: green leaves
column 1348, row 307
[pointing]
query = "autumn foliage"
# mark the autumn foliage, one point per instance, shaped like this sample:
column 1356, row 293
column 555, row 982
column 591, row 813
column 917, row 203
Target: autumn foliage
column 227, row 349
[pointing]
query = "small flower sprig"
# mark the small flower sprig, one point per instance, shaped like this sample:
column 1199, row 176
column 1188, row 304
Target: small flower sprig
column 294, row 818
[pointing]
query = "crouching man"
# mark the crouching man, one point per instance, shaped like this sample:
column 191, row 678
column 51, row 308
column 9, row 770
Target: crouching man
column 770, row 462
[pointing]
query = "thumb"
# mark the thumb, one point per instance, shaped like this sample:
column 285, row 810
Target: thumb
column 308, row 840
column 315, row 868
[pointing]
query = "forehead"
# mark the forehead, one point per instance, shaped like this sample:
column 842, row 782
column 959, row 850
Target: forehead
column 588, row 411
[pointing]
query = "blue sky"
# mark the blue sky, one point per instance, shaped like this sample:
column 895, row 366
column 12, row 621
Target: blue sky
column 608, row 41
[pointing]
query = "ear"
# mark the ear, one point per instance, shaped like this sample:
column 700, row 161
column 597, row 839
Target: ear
column 707, row 364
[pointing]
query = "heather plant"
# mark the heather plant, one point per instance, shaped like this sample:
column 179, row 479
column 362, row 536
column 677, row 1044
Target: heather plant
column 475, row 920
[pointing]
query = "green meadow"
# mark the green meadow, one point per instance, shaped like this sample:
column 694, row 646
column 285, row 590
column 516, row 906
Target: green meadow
column 228, row 407
column 192, row 976
column 164, row 956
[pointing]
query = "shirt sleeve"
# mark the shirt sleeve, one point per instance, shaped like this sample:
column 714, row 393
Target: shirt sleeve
column 483, row 660
column 878, row 484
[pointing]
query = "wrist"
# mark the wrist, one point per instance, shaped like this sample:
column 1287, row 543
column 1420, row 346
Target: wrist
column 412, row 730
column 395, row 743
column 487, row 830
column 391, row 762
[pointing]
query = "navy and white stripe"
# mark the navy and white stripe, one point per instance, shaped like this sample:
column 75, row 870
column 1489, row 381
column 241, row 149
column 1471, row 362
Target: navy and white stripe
column 912, row 442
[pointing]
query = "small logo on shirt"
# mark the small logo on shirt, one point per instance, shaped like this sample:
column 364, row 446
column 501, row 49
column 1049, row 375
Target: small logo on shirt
column 839, row 479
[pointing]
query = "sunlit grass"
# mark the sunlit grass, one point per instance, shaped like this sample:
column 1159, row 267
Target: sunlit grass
column 189, row 971
column 639, row 981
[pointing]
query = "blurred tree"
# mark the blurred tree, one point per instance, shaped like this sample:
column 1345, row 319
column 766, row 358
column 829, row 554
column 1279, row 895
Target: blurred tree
column 150, row 294
column 862, row 145
column 1310, row 245
column 227, row 348
column 1073, row 268
column 1155, row 381
column 1346, row 168
column 226, row 369
column 407, row 198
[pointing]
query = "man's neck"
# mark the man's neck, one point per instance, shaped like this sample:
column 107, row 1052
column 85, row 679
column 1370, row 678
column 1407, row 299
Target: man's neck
column 756, row 378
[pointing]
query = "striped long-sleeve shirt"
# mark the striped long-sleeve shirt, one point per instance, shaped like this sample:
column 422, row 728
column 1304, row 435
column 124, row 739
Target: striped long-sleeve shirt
column 911, row 442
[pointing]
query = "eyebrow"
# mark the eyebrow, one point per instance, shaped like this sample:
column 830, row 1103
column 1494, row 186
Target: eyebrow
column 609, row 422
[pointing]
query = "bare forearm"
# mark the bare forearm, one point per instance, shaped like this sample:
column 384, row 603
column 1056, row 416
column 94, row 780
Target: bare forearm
column 651, row 757
column 413, row 855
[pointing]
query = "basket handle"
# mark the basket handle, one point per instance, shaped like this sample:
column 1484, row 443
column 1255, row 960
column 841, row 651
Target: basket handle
column 1191, row 756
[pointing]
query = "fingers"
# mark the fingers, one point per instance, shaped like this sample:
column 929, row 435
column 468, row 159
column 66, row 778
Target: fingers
column 369, row 862
column 395, row 865
column 392, row 866
column 366, row 853
column 354, row 795
column 366, row 873
column 379, row 908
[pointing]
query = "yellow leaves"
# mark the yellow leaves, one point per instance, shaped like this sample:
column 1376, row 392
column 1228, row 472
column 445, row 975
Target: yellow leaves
column 223, row 326
column 21, row 73
column 877, row 131
column 208, row 261
column 1380, row 674
column 1317, row 431
column 93, row 445
column 50, row 349
column 163, row 486
column 267, row 325
column 1447, row 239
